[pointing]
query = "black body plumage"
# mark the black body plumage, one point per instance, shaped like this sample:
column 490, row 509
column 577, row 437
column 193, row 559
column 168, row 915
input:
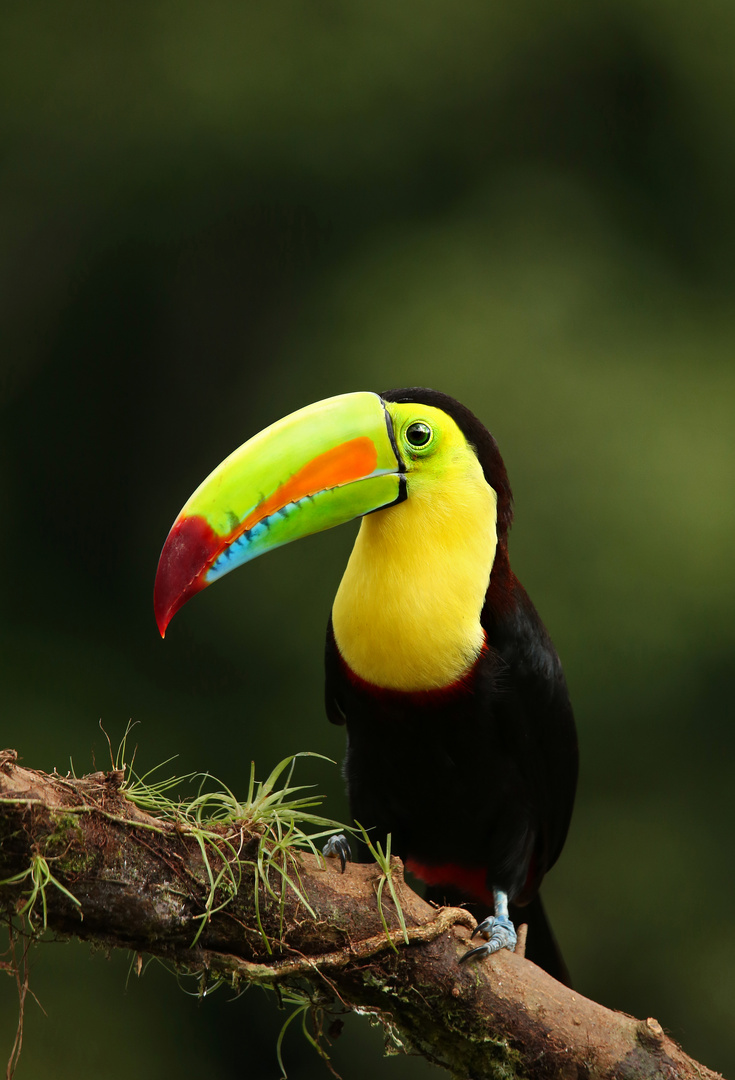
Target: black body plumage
column 479, row 776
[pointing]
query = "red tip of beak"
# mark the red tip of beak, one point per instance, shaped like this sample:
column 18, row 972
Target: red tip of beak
column 190, row 549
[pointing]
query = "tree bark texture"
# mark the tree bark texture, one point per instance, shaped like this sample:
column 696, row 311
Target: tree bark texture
column 142, row 883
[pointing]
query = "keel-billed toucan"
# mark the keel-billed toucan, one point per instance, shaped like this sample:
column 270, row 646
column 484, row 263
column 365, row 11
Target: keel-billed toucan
column 460, row 735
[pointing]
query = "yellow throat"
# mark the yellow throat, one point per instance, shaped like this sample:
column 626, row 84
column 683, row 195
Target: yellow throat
column 407, row 612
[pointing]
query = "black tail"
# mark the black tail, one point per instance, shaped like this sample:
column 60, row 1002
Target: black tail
column 541, row 946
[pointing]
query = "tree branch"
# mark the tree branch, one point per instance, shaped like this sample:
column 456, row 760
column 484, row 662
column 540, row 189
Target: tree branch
column 129, row 880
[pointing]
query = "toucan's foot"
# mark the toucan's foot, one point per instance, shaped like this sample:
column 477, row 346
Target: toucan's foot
column 338, row 846
column 499, row 933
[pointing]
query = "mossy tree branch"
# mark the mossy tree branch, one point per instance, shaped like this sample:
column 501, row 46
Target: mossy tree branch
column 129, row 880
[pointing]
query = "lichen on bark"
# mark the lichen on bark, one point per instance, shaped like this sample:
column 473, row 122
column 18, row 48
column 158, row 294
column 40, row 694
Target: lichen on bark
column 143, row 883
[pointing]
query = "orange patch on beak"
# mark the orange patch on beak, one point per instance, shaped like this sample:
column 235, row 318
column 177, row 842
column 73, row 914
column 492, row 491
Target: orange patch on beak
column 352, row 460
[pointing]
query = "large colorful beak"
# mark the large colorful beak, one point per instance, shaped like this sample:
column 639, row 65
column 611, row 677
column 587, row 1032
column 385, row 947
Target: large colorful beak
column 321, row 466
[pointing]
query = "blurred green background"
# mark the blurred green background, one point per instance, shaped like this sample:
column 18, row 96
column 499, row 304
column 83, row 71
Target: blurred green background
column 214, row 214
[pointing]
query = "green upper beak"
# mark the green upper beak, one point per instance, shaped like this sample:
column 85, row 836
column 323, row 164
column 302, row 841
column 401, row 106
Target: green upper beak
column 318, row 467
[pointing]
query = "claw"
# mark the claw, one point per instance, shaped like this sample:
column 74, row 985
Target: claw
column 499, row 933
column 338, row 846
column 497, row 929
column 481, row 950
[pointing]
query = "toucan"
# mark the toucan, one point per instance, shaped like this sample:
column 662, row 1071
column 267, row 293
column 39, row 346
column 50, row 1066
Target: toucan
column 461, row 741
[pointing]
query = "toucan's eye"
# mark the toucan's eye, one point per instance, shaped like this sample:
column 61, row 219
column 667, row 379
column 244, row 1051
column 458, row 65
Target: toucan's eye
column 418, row 435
